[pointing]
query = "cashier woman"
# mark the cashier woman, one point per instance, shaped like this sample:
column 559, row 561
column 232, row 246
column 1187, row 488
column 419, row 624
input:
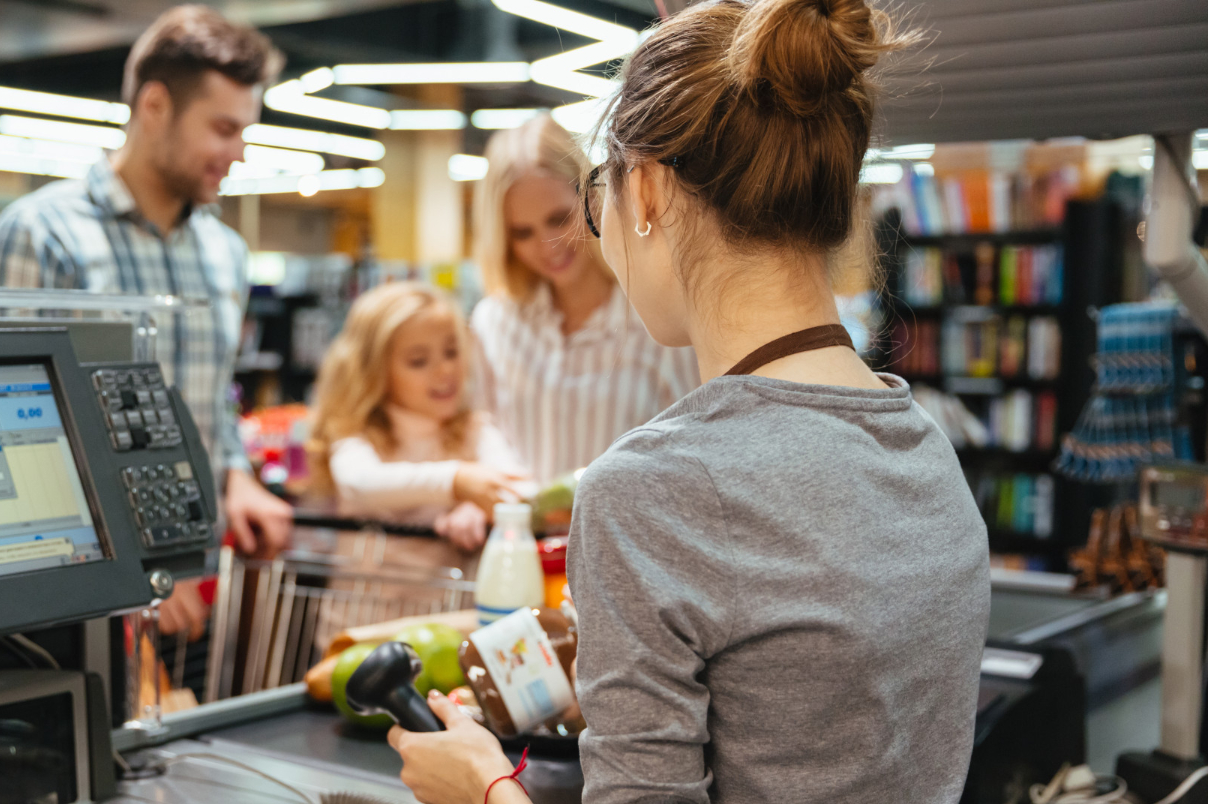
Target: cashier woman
column 782, row 580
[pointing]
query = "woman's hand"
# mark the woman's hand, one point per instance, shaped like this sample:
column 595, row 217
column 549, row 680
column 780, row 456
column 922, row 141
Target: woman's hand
column 465, row 527
column 454, row 766
column 484, row 486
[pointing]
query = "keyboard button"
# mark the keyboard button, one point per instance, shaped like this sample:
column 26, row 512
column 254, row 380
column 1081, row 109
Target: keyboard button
column 138, row 436
column 196, row 511
column 121, row 441
column 162, row 400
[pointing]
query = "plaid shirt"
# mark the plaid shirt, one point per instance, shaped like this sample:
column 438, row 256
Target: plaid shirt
column 87, row 234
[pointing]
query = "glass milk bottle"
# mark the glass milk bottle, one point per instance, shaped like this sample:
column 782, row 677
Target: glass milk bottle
column 509, row 572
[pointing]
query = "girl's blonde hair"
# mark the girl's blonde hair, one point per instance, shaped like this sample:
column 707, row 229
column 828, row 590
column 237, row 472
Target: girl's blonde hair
column 538, row 146
column 353, row 386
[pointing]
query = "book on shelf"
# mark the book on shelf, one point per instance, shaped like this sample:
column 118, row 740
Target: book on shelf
column 985, row 346
column 1009, row 275
column 1017, row 503
column 977, row 201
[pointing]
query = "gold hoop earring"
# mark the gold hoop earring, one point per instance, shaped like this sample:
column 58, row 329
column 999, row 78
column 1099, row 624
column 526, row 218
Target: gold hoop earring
column 640, row 233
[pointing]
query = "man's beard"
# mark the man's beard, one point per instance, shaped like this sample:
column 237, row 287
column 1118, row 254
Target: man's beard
column 190, row 189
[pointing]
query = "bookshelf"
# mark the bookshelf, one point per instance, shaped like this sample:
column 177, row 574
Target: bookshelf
column 999, row 320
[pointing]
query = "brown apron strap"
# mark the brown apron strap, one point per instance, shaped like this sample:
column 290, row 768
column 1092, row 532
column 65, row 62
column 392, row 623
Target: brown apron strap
column 804, row 341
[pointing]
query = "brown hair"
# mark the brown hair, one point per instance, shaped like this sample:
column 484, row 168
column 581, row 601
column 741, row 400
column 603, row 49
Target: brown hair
column 763, row 110
column 186, row 42
column 352, row 388
column 538, row 146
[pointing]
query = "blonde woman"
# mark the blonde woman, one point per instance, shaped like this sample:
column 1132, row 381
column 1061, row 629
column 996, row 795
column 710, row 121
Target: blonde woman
column 566, row 366
column 394, row 436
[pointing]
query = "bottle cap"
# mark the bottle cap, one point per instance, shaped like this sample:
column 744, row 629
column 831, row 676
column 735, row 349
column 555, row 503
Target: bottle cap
column 514, row 515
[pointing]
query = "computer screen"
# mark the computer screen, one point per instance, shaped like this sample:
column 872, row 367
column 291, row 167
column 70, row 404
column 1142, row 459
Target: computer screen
column 45, row 520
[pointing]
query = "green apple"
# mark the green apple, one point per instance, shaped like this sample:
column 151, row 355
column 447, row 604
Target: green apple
column 437, row 645
column 348, row 662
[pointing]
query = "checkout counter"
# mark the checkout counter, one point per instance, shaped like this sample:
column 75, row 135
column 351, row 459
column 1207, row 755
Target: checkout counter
column 100, row 513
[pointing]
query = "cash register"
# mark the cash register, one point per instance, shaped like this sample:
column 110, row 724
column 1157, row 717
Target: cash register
column 106, row 498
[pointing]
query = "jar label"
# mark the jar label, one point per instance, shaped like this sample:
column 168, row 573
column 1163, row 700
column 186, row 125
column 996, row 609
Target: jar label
column 517, row 653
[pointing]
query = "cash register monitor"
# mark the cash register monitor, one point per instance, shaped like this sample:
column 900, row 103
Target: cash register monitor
column 106, row 493
column 45, row 519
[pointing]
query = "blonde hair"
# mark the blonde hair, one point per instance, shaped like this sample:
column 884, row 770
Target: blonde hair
column 538, row 146
column 353, row 386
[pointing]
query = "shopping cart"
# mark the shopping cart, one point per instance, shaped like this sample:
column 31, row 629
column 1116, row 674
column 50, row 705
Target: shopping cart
column 273, row 619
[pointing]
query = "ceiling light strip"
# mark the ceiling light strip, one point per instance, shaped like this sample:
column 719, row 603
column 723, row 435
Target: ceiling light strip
column 489, row 72
column 64, row 105
column 77, row 133
column 307, row 140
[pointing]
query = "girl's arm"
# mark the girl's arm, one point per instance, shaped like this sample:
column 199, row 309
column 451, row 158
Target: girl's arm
column 367, row 483
column 494, row 450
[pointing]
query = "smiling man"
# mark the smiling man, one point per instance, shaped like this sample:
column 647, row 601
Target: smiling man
column 142, row 222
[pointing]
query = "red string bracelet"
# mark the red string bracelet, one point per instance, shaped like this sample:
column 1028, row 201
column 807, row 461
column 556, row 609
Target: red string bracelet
column 523, row 763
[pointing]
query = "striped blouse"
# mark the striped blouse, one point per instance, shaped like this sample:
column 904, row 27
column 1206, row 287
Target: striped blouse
column 561, row 401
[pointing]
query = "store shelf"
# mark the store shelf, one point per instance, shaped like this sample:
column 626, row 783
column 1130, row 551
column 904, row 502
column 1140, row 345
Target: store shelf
column 1026, row 237
column 977, row 312
column 1030, row 457
column 1010, row 541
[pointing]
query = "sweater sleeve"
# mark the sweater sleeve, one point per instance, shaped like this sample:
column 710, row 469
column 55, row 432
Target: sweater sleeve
column 494, row 450
column 651, row 575
column 366, row 483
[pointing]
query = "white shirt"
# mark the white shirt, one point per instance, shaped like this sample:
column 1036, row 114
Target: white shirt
column 414, row 484
column 561, row 401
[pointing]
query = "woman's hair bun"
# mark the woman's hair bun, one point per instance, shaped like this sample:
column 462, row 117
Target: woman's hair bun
column 797, row 52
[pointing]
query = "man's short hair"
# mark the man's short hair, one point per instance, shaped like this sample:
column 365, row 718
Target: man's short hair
column 188, row 41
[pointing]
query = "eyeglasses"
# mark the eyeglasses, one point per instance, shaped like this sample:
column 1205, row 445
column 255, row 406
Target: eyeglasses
column 593, row 199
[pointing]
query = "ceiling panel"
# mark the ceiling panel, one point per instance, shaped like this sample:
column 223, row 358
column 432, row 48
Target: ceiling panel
column 1050, row 68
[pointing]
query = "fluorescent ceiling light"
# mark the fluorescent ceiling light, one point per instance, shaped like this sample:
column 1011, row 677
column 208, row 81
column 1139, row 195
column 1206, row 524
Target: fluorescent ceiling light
column 43, row 149
column 582, row 57
column 283, row 160
column 579, row 83
column 1199, row 160
column 924, row 169
column 306, row 140
column 64, row 105
column 291, row 98
column 501, row 118
column 283, row 183
column 464, row 167
column 427, row 119
column 484, row 72
column 568, row 20
column 318, row 79
column 579, row 117
column 43, row 167
column 916, row 151
column 243, row 170
column 78, row 133
column 881, row 173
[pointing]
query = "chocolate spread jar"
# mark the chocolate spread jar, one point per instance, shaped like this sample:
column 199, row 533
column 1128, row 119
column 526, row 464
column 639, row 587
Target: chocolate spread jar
column 519, row 668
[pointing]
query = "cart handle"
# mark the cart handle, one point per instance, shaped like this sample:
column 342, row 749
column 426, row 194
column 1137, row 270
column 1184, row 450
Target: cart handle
column 318, row 519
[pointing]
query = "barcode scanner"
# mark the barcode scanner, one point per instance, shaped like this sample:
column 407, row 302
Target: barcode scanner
column 385, row 682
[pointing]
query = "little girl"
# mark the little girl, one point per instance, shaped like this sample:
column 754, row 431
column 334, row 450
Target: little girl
column 393, row 435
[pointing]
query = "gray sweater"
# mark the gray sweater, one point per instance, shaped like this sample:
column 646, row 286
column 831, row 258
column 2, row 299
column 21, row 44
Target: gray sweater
column 783, row 592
